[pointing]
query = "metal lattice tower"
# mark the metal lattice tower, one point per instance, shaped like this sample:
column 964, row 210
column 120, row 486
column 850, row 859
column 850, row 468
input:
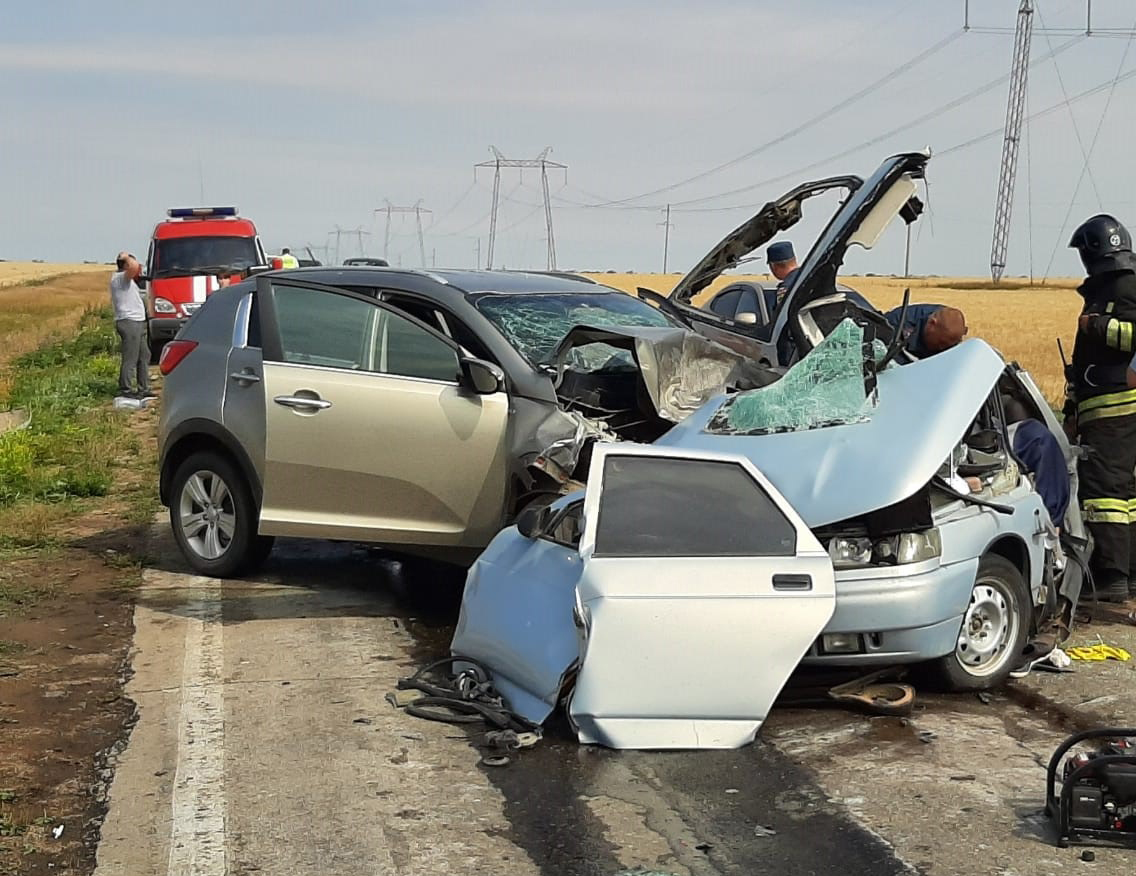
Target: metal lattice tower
column 543, row 163
column 357, row 232
column 417, row 210
column 1015, row 109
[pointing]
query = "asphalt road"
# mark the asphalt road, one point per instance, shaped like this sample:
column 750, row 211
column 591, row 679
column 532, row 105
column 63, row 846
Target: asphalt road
column 264, row 745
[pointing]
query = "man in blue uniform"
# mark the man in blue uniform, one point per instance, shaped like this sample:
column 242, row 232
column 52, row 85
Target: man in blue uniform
column 783, row 266
column 1040, row 454
column 929, row 328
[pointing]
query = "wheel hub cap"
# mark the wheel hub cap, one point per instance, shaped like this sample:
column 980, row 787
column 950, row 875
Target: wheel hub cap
column 987, row 628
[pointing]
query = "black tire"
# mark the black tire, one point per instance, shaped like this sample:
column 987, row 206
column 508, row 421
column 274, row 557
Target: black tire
column 156, row 348
column 209, row 485
column 987, row 651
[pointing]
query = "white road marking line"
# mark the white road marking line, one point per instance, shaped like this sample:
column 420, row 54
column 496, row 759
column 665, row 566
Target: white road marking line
column 197, row 834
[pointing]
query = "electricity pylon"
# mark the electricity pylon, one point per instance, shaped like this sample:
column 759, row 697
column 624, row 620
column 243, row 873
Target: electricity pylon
column 417, row 210
column 543, row 163
column 1015, row 109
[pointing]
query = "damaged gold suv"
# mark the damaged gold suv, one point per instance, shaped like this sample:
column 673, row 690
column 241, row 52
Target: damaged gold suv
column 416, row 410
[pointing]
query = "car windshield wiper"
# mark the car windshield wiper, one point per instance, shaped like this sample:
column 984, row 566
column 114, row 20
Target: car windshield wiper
column 945, row 487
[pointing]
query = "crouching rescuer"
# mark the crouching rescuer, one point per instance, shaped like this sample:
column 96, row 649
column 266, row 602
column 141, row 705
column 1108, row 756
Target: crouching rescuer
column 1100, row 407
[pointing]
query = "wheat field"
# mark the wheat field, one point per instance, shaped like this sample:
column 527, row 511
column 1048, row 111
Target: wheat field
column 17, row 273
column 1021, row 321
column 46, row 306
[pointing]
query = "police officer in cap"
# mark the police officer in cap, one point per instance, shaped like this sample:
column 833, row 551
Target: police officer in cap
column 782, row 265
column 1100, row 408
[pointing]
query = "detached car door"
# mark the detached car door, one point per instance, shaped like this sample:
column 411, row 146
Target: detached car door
column 371, row 433
column 701, row 591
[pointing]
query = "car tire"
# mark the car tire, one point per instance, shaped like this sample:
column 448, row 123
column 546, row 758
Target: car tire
column 156, row 347
column 214, row 517
column 993, row 631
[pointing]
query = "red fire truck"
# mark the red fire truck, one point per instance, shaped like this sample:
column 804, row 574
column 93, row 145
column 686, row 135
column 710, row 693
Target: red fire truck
column 191, row 253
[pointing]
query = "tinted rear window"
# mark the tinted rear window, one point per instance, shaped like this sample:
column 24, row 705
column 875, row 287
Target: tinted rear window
column 659, row 507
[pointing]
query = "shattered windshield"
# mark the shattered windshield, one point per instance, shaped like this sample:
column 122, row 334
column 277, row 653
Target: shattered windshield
column 537, row 322
column 826, row 388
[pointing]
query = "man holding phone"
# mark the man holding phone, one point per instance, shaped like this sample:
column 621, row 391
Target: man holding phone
column 130, row 323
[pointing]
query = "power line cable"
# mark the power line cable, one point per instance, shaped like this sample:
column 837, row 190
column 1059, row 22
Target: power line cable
column 1060, row 105
column 1065, row 94
column 440, row 218
column 1092, row 146
column 804, row 126
column 691, row 204
column 928, row 116
column 461, row 231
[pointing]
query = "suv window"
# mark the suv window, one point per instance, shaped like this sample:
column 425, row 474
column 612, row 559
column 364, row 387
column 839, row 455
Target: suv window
column 338, row 331
column 441, row 319
column 655, row 506
column 725, row 305
column 409, row 350
column 748, row 304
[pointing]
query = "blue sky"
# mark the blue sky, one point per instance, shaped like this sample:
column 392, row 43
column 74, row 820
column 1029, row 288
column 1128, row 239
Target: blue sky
column 309, row 115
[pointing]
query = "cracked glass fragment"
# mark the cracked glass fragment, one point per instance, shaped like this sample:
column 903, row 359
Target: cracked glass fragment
column 536, row 323
column 826, row 388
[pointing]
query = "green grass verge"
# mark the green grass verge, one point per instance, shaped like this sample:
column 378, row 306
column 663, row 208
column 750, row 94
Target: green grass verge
column 69, row 448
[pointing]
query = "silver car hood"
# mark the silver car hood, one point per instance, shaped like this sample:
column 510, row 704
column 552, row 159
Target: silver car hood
column 839, row 472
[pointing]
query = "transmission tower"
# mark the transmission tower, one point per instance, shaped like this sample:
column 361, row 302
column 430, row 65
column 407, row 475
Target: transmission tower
column 1015, row 108
column 543, row 163
column 417, row 210
column 356, row 232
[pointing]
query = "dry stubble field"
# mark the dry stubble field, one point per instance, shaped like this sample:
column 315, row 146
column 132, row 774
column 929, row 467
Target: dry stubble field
column 1023, row 322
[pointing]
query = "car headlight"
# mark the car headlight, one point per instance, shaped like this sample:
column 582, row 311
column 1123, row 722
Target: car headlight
column 897, row 550
column 163, row 305
column 915, row 547
column 848, row 553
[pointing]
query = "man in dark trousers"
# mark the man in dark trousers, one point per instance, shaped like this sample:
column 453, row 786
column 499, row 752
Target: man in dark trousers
column 929, row 328
column 130, row 323
column 1100, row 408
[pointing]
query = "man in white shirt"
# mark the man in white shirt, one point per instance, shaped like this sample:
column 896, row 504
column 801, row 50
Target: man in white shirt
column 130, row 323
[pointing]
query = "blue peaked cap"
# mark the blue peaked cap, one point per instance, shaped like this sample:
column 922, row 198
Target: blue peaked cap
column 780, row 252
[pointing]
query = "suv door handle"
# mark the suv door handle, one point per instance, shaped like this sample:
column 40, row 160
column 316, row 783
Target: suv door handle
column 792, row 582
column 300, row 403
column 246, row 376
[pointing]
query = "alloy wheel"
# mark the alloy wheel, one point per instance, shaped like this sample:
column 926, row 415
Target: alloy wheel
column 207, row 514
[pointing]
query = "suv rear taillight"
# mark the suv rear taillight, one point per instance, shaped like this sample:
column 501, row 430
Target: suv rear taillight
column 173, row 353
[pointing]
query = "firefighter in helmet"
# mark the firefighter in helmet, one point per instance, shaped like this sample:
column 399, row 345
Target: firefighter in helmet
column 1100, row 408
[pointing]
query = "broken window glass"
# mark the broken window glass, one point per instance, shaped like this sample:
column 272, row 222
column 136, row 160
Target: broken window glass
column 826, row 388
column 536, row 323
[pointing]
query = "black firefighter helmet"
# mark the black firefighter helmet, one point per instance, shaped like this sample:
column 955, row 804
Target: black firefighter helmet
column 1104, row 244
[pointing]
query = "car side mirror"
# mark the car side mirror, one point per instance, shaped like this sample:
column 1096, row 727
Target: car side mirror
column 482, row 377
column 533, row 521
column 746, row 318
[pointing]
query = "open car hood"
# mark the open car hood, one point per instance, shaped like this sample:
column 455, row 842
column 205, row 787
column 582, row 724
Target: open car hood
column 870, row 204
column 774, row 217
column 837, row 472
